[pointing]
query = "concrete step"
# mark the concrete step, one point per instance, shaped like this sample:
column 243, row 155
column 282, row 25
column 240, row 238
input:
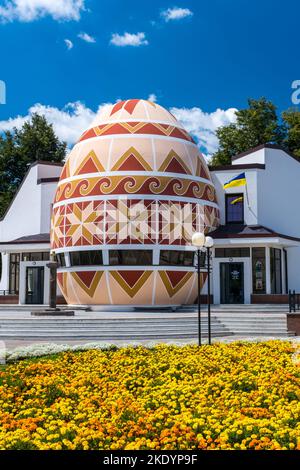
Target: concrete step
column 109, row 330
column 111, row 336
column 246, row 321
column 184, row 318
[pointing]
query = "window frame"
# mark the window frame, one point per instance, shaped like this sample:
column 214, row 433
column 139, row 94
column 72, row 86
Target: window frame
column 122, row 252
column 228, row 252
column 276, row 268
column 235, row 195
column 181, row 253
column 14, row 273
column 263, row 258
column 84, row 253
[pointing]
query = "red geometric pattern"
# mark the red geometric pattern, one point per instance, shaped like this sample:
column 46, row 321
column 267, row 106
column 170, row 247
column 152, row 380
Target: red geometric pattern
column 147, row 128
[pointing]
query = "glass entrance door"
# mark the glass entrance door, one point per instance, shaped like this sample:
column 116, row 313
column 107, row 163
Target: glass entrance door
column 232, row 283
column 35, row 285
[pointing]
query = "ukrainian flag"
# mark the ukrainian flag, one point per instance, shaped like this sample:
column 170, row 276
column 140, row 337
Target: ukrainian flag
column 238, row 199
column 239, row 180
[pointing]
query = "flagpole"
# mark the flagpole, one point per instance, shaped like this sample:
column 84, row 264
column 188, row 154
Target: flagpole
column 247, row 194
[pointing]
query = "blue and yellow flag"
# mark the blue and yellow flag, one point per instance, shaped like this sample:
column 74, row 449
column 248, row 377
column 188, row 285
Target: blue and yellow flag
column 238, row 199
column 239, row 180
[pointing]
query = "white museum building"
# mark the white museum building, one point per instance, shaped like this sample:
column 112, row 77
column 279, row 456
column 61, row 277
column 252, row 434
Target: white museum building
column 256, row 253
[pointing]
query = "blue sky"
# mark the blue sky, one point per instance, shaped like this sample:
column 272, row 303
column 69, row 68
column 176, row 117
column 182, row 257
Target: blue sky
column 211, row 55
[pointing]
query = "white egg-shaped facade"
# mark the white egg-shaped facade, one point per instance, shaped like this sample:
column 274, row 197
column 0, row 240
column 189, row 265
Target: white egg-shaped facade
column 132, row 192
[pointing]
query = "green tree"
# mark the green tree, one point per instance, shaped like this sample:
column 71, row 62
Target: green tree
column 291, row 120
column 258, row 124
column 35, row 140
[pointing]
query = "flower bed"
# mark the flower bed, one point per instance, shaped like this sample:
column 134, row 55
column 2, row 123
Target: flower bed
column 225, row 396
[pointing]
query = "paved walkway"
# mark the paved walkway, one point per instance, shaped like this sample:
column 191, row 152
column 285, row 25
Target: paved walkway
column 10, row 345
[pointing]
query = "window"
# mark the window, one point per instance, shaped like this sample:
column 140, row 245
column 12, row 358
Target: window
column 36, row 256
column 178, row 258
column 61, row 260
column 14, row 272
column 232, row 252
column 86, row 258
column 259, row 270
column 130, row 257
column 275, row 265
column 234, row 207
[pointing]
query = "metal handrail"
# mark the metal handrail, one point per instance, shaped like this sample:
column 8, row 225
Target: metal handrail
column 294, row 301
column 8, row 292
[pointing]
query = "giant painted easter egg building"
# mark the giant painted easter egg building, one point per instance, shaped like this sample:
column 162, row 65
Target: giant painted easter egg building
column 132, row 192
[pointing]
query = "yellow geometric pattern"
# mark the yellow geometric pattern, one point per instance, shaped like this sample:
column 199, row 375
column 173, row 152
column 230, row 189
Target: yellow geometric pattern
column 171, row 289
column 131, row 290
column 88, row 289
column 136, row 156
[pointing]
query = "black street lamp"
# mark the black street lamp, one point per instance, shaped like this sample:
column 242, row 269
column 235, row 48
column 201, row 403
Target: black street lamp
column 209, row 243
column 198, row 240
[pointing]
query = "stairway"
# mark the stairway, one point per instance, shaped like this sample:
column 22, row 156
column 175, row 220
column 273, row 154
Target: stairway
column 95, row 327
column 239, row 320
column 250, row 320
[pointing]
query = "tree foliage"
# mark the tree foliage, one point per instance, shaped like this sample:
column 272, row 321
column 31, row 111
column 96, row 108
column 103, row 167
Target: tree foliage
column 35, row 140
column 291, row 119
column 258, row 124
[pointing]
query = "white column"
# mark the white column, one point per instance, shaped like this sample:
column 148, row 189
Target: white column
column 268, row 271
column 283, row 272
column 215, row 280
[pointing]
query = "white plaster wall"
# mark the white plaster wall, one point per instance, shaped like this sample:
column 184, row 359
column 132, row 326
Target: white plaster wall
column 279, row 193
column 48, row 171
column 23, row 216
column 29, row 213
column 250, row 211
column 47, row 198
column 4, row 281
column 254, row 157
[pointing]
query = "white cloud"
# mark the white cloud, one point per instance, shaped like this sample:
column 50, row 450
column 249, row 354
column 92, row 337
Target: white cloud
column 204, row 125
column 176, row 13
column 70, row 121
column 31, row 10
column 128, row 39
column 69, row 44
column 152, row 97
column 86, row 37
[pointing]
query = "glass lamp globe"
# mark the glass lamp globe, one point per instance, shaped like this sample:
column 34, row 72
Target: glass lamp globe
column 209, row 242
column 198, row 239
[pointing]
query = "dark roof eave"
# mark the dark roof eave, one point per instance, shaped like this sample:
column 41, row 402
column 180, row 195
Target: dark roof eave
column 48, row 180
column 38, row 238
column 246, row 166
column 220, row 233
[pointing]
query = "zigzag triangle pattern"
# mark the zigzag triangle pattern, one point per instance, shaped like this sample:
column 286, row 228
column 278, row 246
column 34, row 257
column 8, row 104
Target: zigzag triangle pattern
column 131, row 160
column 174, row 281
column 131, row 281
column 87, row 280
column 174, row 164
column 90, row 164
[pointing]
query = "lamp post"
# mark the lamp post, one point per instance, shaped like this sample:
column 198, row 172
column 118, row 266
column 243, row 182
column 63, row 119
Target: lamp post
column 209, row 243
column 198, row 240
column 52, row 265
